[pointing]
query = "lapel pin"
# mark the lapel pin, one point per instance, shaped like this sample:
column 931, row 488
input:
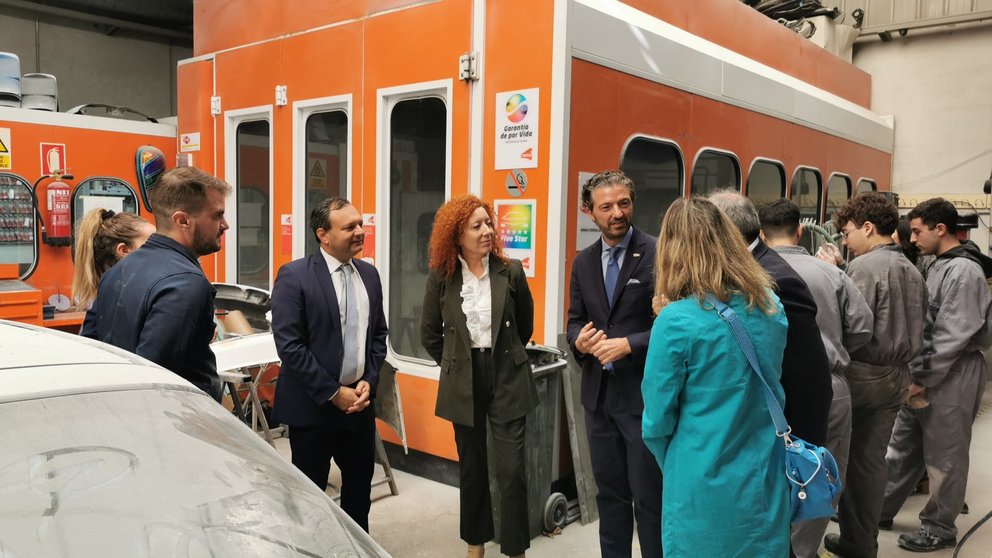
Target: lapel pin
column 636, row 254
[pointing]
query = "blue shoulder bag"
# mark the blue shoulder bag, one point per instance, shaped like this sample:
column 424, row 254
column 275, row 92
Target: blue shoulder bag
column 811, row 470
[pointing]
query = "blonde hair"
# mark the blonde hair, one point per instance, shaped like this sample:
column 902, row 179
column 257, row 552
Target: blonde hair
column 701, row 252
column 95, row 250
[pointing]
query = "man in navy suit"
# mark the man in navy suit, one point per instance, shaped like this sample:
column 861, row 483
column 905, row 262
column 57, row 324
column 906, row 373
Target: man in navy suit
column 609, row 325
column 330, row 331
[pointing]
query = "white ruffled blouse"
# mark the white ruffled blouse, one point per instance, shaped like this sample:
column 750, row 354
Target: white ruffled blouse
column 477, row 304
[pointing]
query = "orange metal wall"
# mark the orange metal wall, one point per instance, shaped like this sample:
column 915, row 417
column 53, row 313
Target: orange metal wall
column 742, row 29
column 196, row 88
column 518, row 56
column 608, row 107
column 224, row 24
column 321, row 48
column 357, row 57
column 89, row 153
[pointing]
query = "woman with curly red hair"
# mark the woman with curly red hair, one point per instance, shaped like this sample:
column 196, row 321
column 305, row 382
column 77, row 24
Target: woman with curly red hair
column 478, row 314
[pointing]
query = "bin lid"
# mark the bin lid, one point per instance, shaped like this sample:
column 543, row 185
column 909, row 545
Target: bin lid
column 545, row 359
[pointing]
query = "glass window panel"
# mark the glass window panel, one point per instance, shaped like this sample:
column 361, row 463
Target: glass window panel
column 104, row 193
column 252, row 194
column 17, row 224
column 865, row 185
column 765, row 182
column 418, row 139
column 838, row 192
column 101, row 193
column 806, row 192
column 656, row 169
column 326, row 162
column 715, row 171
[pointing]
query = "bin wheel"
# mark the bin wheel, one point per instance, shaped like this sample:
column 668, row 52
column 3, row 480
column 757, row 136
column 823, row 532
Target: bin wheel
column 555, row 512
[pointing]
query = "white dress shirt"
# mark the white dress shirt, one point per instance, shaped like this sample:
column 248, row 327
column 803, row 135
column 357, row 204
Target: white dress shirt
column 338, row 278
column 477, row 304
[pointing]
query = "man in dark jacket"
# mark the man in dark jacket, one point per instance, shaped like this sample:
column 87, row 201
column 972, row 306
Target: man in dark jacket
column 609, row 326
column 805, row 367
column 157, row 303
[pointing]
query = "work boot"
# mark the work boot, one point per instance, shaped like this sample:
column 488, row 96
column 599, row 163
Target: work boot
column 476, row 551
column 841, row 548
column 925, row 541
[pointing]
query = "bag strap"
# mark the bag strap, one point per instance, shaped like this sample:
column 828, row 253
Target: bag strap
column 728, row 315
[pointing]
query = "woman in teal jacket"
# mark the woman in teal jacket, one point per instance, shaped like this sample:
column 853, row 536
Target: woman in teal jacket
column 705, row 418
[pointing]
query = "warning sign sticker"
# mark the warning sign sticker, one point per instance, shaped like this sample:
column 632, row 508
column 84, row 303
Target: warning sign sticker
column 5, row 151
column 317, row 173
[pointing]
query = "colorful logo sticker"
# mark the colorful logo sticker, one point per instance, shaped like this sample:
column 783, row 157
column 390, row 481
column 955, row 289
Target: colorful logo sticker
column 516, row 108
column 514, row 222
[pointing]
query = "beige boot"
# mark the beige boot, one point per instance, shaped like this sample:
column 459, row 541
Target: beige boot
column 476, row 551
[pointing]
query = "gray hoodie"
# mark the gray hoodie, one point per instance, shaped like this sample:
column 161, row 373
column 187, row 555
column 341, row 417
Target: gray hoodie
column 957, row 318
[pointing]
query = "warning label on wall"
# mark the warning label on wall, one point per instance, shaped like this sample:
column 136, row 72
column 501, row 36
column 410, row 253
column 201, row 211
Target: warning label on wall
column 5, row 151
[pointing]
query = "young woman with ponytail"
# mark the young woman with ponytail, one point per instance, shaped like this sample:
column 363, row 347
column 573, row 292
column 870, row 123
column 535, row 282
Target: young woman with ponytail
column 103, row 238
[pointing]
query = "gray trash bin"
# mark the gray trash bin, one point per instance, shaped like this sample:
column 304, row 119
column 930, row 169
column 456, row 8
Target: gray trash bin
column 545, row 510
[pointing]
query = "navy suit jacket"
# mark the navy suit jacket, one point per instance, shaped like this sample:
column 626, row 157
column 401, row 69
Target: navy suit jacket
column 805, row 366
column 631, row 315
column 306, row 324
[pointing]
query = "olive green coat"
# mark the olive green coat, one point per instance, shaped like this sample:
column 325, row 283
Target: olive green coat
column 443, row 332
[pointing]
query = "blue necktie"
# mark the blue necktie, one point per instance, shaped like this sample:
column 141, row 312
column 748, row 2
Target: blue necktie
column 612, row 274
column 349, row 364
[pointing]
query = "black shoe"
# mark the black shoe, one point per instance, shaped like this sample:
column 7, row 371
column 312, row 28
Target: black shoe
column 925, row 541
column 885, row 524
column 842, row 549
column 964, row 509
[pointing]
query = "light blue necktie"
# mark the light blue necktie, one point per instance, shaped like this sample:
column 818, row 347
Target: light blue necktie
column 612, row 274
column 349, row 364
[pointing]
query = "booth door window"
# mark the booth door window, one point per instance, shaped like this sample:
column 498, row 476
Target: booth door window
column 326, row 163
column 715, row 171
column 18, row 244
column 101, row 192
column 807, row 189
column 417, row 152
column 765, row 182
column 252, row 194
column 866, row 185
column 838, row 192
column 657, row 171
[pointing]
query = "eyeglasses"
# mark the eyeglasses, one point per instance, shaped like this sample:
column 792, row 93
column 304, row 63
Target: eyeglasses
column 843, row 233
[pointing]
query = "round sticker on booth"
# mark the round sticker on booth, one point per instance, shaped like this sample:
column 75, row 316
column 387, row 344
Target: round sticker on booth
column 516, row 182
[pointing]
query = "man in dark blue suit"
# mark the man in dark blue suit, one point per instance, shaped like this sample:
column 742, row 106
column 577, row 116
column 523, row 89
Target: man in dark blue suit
column 330, row 331
column 609, row 325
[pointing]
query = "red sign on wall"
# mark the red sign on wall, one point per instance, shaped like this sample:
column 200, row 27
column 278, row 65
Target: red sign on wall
column 53, row 159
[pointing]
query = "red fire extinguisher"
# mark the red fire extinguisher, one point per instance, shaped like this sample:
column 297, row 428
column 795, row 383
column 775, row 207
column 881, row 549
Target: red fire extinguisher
column 58, row 214
column 59, row 207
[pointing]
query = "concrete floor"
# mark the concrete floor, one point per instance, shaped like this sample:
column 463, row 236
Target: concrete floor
column 422, row 521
